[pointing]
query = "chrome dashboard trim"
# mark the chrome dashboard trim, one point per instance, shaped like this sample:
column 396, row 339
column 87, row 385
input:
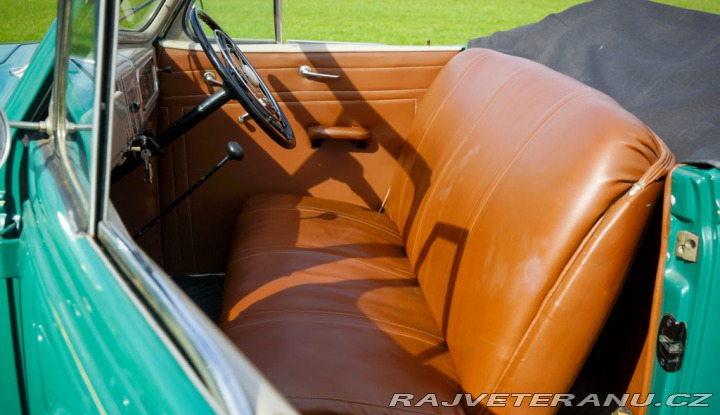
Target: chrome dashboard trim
column 148, row 102
column 130, row 78
column 138, row 91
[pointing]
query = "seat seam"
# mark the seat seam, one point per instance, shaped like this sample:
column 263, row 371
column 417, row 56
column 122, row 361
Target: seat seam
column 327, row 250
column 362, row 317
column 320, row 210
column 359, row 326
column 353, row 260
column 555, row 290
column 479, row 206
column 482, row 202
column 470, row 65
column 301, row 204
column 466, row 135
column 320, row 249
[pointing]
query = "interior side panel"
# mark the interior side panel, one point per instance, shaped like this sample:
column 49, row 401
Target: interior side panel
column 378, row 91
column 138, row 203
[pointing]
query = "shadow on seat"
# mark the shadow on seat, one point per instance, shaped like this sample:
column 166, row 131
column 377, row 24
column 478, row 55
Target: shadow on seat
column 513, row 217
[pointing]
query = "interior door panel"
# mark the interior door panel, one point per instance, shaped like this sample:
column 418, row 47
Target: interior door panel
column 378, row 91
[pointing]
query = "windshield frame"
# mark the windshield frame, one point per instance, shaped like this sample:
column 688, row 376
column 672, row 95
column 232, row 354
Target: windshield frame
column 156, row 26
column 276, row 21
column 124, row 15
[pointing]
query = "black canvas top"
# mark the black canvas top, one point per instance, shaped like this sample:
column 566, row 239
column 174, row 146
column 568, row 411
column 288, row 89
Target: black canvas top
column 661, row 63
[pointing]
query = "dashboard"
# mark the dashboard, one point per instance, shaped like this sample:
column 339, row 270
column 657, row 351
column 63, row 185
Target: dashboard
column 135, row 97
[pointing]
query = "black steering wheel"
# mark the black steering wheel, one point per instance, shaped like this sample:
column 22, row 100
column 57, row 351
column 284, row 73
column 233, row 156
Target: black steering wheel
column 242, row 81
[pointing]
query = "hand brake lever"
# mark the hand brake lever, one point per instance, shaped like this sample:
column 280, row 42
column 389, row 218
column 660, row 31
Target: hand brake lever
column 233, row 152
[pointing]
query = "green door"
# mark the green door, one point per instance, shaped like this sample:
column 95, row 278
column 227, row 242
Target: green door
column 87, row 343
column 687, row 357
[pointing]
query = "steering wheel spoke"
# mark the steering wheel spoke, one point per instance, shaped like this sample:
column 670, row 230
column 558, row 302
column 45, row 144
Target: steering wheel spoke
column 242, row 81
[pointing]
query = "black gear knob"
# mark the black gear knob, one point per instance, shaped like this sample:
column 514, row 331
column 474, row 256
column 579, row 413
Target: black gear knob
column 234, row 151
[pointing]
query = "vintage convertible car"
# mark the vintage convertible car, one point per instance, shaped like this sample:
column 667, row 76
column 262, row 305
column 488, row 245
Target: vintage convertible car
column 311, row 227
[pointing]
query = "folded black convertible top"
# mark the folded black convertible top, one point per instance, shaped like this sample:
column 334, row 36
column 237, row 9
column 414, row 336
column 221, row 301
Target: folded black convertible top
column 661, row 63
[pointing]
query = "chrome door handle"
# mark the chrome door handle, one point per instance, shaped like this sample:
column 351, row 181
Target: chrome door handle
column 19, row 71
column 307, row 72
column 210, row 79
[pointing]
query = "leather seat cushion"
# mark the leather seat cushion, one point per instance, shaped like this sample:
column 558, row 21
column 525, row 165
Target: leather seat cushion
column 335, row 297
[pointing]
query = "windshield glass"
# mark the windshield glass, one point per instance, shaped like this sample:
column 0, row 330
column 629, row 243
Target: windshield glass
column 136, row 14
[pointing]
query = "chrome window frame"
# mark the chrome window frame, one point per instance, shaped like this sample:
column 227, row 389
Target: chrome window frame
column 79, row 199
column 146, row 24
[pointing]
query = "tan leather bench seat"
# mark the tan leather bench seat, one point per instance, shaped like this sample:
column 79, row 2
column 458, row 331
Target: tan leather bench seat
column 509, row 227
column 333, row 292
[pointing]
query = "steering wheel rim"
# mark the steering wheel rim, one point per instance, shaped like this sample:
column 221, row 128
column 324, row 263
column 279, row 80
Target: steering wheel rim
column 242, row 81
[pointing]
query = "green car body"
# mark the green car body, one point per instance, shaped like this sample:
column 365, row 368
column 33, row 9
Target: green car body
column 59, row 351
column 62, row 288
column 691, row 291
column 87, row 327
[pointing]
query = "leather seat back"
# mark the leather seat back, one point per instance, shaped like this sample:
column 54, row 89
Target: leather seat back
column 521, row 195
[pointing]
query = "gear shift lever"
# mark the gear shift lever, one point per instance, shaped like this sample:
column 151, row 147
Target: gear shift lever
column 233, row 152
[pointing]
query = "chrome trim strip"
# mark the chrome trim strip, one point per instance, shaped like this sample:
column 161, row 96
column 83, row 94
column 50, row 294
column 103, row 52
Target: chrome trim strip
column 56, row 126
column 309, row 47
column 42, row 126
column 152, row 322
column 99, row 159
column 57, row 171
column 6, row 138
column 62, row 51
column 135, row 10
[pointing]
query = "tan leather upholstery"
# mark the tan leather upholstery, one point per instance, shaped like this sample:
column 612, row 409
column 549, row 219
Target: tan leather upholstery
column 642, row 375
column 513, row 216
column 331, row 291
column 378, row 91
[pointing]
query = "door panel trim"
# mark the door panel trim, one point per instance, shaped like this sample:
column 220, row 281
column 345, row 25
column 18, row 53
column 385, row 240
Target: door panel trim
column 379, row 90
column 314, row 47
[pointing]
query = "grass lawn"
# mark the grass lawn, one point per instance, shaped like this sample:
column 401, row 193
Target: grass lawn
column 409, row 22
column 25, row 20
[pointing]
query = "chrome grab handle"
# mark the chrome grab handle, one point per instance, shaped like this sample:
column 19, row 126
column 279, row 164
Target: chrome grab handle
column 307, row 72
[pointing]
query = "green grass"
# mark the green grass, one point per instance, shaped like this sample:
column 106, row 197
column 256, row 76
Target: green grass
column 404, row 22
column 409, row 22
column 25, row 20
column 413, row 22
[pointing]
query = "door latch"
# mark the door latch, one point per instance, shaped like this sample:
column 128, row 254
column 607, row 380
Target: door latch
column 671, row 343
column 686, row 246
